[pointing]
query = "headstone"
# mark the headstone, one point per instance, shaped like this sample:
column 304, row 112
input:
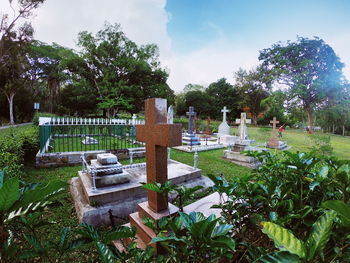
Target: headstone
column 106, row 171
column 170, row 115
column 191, row 114
column 89, row 140
column 224, row 129
column 274, row 142
column 158, row 135
column 107, row 158
column 241, row 144
column 243, row 131
column 208, row 130
column 190, row 138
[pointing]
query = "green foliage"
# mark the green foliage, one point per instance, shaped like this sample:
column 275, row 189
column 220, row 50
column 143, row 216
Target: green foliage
column 314, row 245
column 321, row 144
column 17, row 146
column 196, row 238
column 309, row 67
column 342, row 209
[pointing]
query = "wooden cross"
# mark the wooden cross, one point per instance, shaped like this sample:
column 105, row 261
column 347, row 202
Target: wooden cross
column 158, row 135
column 224, row 111
column 191, row 114
column 274, row 122
column 242, row 121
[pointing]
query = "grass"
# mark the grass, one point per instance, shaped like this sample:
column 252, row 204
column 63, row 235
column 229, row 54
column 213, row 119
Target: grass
column 299, row 140
column 71, row 144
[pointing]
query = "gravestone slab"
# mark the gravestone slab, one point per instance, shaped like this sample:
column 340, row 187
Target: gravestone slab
column 89, row 140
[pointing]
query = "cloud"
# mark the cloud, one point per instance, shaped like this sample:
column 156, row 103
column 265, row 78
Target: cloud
column 146, row 21
column 208, row 64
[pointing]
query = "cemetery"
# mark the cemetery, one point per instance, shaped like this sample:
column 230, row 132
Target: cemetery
column 110, row 150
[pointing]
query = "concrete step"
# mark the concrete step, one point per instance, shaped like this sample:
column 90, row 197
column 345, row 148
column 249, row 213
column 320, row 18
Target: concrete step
column 143, row 231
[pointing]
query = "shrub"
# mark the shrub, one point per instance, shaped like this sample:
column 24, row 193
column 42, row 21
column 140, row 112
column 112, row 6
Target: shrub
column 18, row 146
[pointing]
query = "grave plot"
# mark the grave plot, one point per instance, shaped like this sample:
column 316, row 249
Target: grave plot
column 63, row 140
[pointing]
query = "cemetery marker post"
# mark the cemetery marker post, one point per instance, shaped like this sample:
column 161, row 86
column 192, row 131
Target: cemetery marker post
column 273, row 142
column 158, row 135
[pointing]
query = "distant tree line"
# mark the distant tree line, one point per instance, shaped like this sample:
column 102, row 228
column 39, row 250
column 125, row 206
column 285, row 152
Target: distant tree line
column 301, row 82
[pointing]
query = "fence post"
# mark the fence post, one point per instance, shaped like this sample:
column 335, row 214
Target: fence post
column 195, row 161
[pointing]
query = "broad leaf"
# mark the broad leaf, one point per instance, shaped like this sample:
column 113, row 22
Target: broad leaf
column 320, row 233
column 8, row 194
column 170, row 239
column 341, row 208
column 106, row 253
column 40, row 193
column 284, row 239
column 121, row 233
column 279, row 257
column 225, row 242
column 221, row 230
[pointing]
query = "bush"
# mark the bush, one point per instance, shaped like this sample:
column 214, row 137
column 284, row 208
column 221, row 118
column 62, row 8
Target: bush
column 18, row 146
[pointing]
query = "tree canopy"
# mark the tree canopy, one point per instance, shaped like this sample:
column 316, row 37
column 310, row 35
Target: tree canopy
column 309, row 68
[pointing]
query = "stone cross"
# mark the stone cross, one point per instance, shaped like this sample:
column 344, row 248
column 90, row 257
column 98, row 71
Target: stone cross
column 191, row 114
column 224, row 111
column 274, row 122
column 273, row 142
column 242, row 122
column 158, row 135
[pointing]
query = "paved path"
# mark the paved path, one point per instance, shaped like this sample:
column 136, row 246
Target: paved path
column 16, row 125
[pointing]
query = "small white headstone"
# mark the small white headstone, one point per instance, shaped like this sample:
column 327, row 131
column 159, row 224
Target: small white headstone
column 107, row 158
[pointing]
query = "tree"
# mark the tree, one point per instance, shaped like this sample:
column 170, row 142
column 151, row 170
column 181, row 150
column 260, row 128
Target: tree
column 253, row 86
column 274, row 105
column 13, row 47
column 122, row 73
column 223, row 94
column 309, row 68
column 48, row 65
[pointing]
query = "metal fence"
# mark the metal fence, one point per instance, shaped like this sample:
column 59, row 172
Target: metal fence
column 82, row 134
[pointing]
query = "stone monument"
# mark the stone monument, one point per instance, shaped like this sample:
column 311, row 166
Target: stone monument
column 89, row 140
column 241, row 144
column 224, row 129
column 190, row 137
column 106, row 171
column 274, row 143
column 208, row 130
column 224, row 136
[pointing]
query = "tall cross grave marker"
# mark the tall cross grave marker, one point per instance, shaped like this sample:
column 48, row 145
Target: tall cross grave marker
column 191, row 114
column 158, row 135
column 273, row 142
column 242, row 126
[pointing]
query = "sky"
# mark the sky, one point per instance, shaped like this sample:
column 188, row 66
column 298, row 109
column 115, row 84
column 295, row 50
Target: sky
column 200, row 41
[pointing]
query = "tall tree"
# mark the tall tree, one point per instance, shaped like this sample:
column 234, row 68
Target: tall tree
column 253, row 87
column 223, row 94
column 14, row 41
column 122, row 73
column 309, row 68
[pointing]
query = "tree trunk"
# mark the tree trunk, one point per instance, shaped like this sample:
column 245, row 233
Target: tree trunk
column 333, row 130
column 10, row 100
column 343, row 130
column 310, row 117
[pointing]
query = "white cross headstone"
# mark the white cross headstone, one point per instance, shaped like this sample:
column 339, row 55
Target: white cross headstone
column 170, row 116
column 243, row 132
column 133, row 122
column 224, row 129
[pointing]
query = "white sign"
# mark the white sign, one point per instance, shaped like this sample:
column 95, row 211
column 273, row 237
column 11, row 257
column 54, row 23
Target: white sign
column 36, row 106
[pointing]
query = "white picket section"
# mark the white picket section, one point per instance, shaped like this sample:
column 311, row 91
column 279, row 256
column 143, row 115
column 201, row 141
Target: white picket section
column 57, row 121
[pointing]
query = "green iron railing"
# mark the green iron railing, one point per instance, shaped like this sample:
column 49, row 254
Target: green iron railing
column 73, row 136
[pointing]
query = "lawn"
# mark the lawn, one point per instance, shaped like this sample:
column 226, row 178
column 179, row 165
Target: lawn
column 299, row 140
column 70, row 144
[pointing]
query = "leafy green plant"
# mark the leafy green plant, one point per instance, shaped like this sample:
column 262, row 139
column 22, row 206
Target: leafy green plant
column 17, row 202
column 196, row 238
column 307, row 251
